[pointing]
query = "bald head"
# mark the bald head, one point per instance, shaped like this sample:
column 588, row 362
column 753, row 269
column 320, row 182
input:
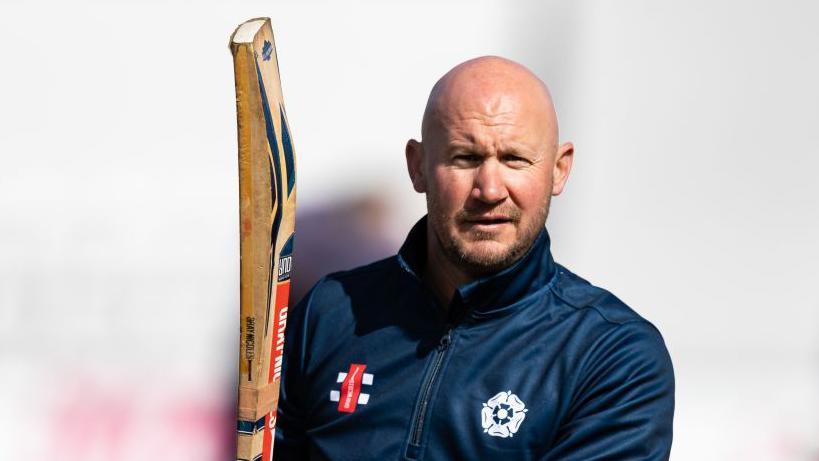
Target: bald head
column 490, row 87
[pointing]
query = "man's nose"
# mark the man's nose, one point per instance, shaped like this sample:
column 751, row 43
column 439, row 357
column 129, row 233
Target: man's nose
column 489, row 186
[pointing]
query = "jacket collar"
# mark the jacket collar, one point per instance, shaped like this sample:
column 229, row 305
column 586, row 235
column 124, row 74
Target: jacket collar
column 492, row 295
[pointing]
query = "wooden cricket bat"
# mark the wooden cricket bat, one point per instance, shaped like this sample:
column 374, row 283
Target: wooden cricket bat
column 267, row 207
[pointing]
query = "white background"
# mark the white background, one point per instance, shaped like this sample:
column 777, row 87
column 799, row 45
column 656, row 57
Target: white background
column 693, row 197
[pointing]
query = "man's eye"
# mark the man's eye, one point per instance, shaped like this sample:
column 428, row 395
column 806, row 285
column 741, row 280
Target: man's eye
column 464, row 159
column 515, row 161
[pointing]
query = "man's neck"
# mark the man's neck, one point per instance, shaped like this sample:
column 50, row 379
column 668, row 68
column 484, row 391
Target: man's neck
column 442, row 277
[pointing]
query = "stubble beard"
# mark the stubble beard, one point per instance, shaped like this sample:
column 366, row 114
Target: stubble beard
column 476, row 262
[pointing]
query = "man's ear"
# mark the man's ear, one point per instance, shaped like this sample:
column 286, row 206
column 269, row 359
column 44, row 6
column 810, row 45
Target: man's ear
column 563, row 166
column 415, row 165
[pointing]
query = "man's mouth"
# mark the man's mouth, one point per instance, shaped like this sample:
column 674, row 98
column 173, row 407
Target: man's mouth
column 488, row 221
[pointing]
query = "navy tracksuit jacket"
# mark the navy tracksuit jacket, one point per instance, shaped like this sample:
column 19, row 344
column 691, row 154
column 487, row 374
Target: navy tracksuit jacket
column 530, row 363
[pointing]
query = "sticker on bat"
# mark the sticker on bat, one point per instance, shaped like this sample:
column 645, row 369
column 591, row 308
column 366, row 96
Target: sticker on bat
column 280, row 312
column 250, row 344
column 267, row 50
column 286, row 260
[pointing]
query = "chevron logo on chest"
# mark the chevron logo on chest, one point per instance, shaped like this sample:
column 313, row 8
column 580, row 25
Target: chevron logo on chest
column 350, row 395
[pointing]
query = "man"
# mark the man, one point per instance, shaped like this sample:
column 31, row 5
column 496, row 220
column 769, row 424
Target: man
column 472, row 343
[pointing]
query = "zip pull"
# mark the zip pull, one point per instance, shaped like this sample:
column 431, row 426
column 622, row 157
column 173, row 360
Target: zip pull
column 446, row 340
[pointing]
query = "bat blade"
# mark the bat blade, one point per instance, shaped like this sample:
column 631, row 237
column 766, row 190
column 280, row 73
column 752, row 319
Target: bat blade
column 267, row 205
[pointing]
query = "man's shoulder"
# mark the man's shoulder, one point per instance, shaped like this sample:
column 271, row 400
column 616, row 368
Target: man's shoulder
column 615, row 330
column 367, row 273
column 342, row 287
column 582, row 296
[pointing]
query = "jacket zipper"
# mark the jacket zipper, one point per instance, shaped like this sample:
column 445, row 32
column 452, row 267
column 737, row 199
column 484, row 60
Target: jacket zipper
column 418, row 424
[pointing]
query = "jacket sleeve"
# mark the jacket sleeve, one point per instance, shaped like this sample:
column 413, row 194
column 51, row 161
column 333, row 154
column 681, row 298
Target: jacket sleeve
column 623, row 405
column 291, row 441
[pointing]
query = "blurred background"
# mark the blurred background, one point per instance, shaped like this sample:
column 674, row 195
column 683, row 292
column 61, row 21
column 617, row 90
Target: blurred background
column 693, row 197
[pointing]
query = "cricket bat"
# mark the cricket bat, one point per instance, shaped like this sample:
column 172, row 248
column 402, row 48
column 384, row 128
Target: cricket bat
column 267, row 207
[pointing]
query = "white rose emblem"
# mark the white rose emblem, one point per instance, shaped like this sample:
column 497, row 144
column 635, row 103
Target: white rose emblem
column 502, row 415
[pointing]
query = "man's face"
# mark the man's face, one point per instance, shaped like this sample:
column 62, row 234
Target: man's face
column 488, row 168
